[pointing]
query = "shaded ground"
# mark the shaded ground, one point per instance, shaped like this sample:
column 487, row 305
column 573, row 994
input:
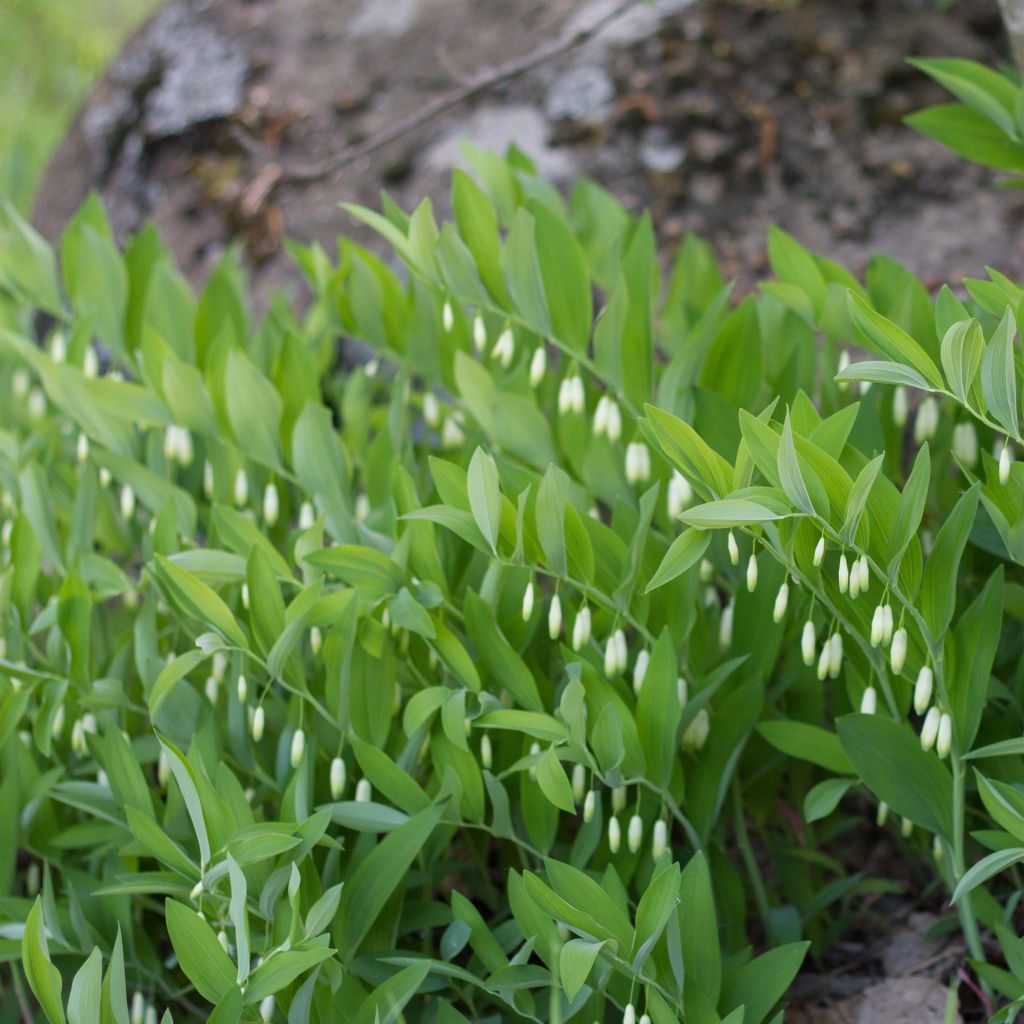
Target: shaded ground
column 722, row 115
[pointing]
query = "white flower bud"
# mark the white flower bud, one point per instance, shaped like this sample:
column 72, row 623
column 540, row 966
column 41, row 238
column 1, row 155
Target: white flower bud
column 431, row 410
column 807, row 642
column 611, row 657
column 844, row 362
column 581, row 629
column 629, row 1016
column 267, row 1008
column 452, row 434
column 208, row 479
column 1005, row 460
column 854, row 587
column 258, row 721
column 864, row 572
column 752, row 573
column 824, row 660
column 578, row 394
column 937, row 847
column 835, row 654
column 528, row 602
column 906, row 828
column 898, row 651
column 618, row 799
column 579, row 782
column 944, row 740
column 242, row 689
column 635, row 833
column 163, row 768
column 645, row 1018
column 643, row 659
column 734, row 549
column 781, row 601
column 316, row 640
column 538, row 365
column 614, row 421
column 887, row 624
column 564, row 397
column 725, row 624
column 844, row 574
column 682, row 691
column 127, row 502
column 504, row 348
column 638, row 463
column 337, row 777
column 447, row 317
column 307, row 515
column 930, row 728
column 486, row 752
column 923, row 689
column 104, row 477
column 57, row 724
column 36, row 405
column 819, row 551
column 927, row 420
column 707, row 571
column 869, row 701
column 58, row 347
column 271, row 504
column 245, row 596
column 589, row 805
column 877, row 626
column 479, row 333
column 555, row 618
column 197, row 891
column 20, row 383
column 298, row 747
column 184, row 452
column 222, row 938
column 600, row 424
column 138, row 1008
column 82, row 448
column 659, row 838
column 883, row 813
column 899, row 406
column 241, row 492
column 363, row 791
column 965, row 444
column 680, row 494
column 614, row 834
column 696, row 733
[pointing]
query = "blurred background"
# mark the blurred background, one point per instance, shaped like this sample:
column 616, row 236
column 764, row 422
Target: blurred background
column 246, row 120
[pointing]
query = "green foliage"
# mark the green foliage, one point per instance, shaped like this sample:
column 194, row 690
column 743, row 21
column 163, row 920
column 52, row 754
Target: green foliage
column 463, row 685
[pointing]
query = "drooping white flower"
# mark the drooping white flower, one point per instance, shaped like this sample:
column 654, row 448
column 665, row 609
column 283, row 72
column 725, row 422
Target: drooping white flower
column 643, row 659
column 781, row 602
column 127, row 502
column 337, row 777
column 271, row 504
column 1005, row 461
column 629, row 1014
column 528, row 602
column 679, row 495
column 819, row 551
column 538, row 365
column 363, row 791
column 906, row 828
column 307, row 516
column 448, row 317
column 578, row 395
column 887, row 624
column 36, row 405
column 486, row 751
column 479, row 333
column 258, row 722
column 864, row 572
column 207, row 480
column 452, row 434
column 589, row 805
column 725, row 624
column 222, row 938
column 844, row 574
column 900, row 406
column 635, row 833
column 20, row 383
column 927, row 420
column 241, row 689
column 579, row 782
column 555, row 618
column 923, row 689
column 706, row 571
column 241, row 489
column 944, row 740
column 844, row 362
column 682, row 691
column 614, row 834
column 245, row 596
column 618, row 799
column 163, row 768
column 431, row 410
column 965, row 444
column 638, row 463
column 930, row 728
column 581, row 629
column 835, row 654
column 298, row 747
column 869, row 701
column 58, row 347
column 877, row 626
column 614, row 427
column 696, row 733
column 882, row 814
column 504, row 348
column 659, row 838
column 138, row 1008
column 600, row 424
column 752, row 573
column 734, row 549
column 898, row 651
column 807, row 642
column 267, row 1008
column 316, row 640
column 82, row 448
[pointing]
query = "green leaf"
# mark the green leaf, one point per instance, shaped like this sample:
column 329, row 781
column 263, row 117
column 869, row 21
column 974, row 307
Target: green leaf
column 823, row 799
column 889, row 759
column 553, row 781
column 43, row 977
column 485, row 496
column 575, row 962
column 563, row 270
column 683, row 553
column 658, row 712
column 999, row 374
column 198, row 601
column 882, row 335
column 729, row 512
column 86, row 995
column 199, row 953
column 169, row 677
column 978, row 87
column 689, row 452
column 910, row 509
column 883, row 373
column 859, row 497
column 938, row 586
column 698, row 924
column 761, row 983
column 281, row 969
column 790, row 475
column 808, row 743
column 985, row 869
column 656, row 906
column 368, row 570
column 962, row 349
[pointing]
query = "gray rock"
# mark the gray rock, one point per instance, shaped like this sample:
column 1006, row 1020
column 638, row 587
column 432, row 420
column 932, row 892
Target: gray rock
column 581, row 93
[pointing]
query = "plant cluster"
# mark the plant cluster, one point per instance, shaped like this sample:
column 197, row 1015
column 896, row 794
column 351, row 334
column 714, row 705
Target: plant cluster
column 464, row 684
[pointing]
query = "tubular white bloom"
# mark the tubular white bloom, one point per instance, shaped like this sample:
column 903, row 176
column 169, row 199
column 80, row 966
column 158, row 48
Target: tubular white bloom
column 635, row 833
column 844, row 362
column 58, row 347
column 245, row 596
column 899, row 406
column 819, row 551
column 614, row 421
column 696, row 733
column 611, row 657
column 734, row 549
column 781, row 602
column 682, row 691
column 643, row 659
column 163, row 768
column 936, row 847
column 844, row 574
column 965, row 444
column 854, row 587
column 271, row 504
column 431, row 409
column 898, row 651
column 600, row 424
column 807, row 643
column 706, row 571
column 589, row 805
column 222, row 938
column 36, row 405
column 104, row 477
column 614, row 834
column 869, row 701
column 581, row 628
column 579, row 782
column 930, row 728
column 267, row 1008
column 184, row 451
column 528, row 601
column 258, row 721
column 944, row 741
column 82, row 448
column 679, row 494
column 883, row 813
column 241, row 490
column 127, row 502
column 887, row 624
column 479, row 333
column 307, row 516
column 555, row 618
column 865, row 574
column 20, row 383
column 486, row 751
column 752, row 573
column 564, row 397
column 448, row 317
column 725, row 624
column 1005, row 460
column 629, row 1014
column 171, row 442
column 623, row 650
column 538, row 365
column 926, row 421
column 57, row 724
column 618, row 799
column 452, row 434
column 835, row 654
column 337, row 777
column 505, row 348
column 824, row 659
column 298, row 747
column 151, row 1015
column 207, row 480
column 197, row 890
column 212, row 689
column 241, row 689
column 645, row 1018
column 316, row 640
column 579, row 395
column 138, row 1008
column 659, row 838
column 218, row 665
column 363, row 791
column 906, row 828
column 923, row 689
column 877, row 626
